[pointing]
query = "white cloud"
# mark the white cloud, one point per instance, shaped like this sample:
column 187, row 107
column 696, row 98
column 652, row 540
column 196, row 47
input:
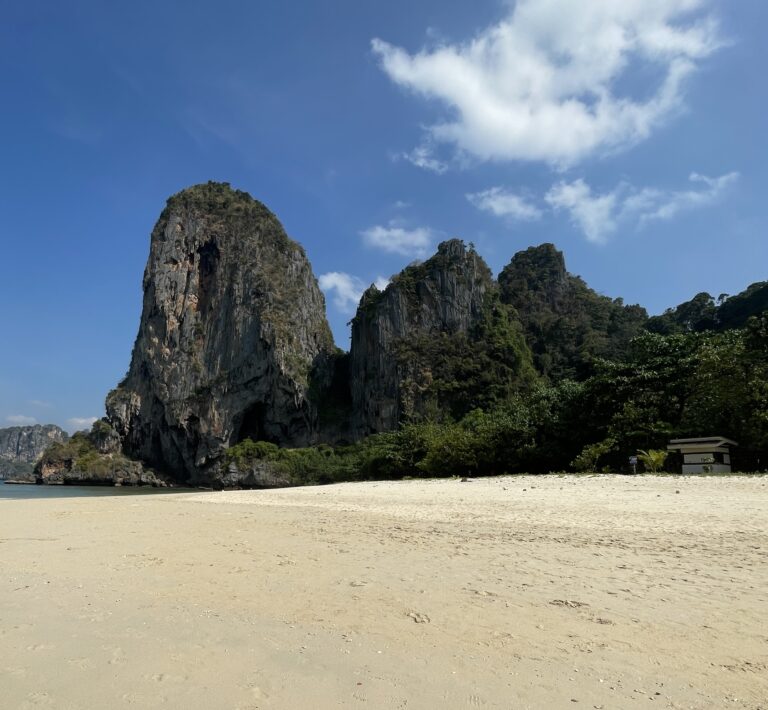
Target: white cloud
column 593, row 214
column 422, row 157
column 20, row 420
column 398, row 240
column 504, row 203
column 346, row 290
column 78, row 423
column 653, row 204
column 547, row 83
column 600, row 215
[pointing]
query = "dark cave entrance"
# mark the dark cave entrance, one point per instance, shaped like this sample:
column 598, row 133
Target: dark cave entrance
column 206, row 272
column 252, row 424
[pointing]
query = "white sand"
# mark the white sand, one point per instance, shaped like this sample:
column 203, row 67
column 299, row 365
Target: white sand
column 549, row 592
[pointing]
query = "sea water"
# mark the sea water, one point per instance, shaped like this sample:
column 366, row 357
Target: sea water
column 28, row 491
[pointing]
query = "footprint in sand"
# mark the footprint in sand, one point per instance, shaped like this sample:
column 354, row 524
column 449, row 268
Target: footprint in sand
column 81, row 663
column 37, row 699
column 117, row 655
column 568, row 603
column 134, row 699
column 258, row 693
column 166, row 678
column 419, row 618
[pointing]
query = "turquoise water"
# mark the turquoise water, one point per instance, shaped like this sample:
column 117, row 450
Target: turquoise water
column 26, row 492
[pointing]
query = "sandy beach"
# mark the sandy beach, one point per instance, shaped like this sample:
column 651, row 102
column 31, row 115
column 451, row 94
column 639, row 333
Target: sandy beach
column 523, row 592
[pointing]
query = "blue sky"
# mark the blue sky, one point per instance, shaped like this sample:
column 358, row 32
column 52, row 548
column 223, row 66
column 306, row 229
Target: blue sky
column 632, row 135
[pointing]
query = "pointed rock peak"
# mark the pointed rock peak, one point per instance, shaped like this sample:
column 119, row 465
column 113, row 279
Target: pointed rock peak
column 567, row 324
column 451, row 255
column 452, row 248
column 439, row 300
column 537, row 268
column 372, row 290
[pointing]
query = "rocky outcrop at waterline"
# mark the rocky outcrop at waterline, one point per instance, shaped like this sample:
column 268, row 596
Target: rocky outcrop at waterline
column 93, row 458
column 22, row 446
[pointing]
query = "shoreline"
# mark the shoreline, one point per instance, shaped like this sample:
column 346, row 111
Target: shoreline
column 586, row 474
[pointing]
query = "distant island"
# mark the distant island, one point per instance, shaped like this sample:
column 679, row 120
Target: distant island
column 235, row 380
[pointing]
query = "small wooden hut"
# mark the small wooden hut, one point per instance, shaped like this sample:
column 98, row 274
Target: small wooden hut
column 709, row 454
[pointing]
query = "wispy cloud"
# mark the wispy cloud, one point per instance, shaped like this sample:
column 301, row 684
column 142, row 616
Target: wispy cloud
column 548, row 82
column 598, row 216
column 20, row 420
column 345, row 290
column 593, row 214
column 78, row 423
column 652, row 204
column 399, row 240
column 422, row 157
column 505, row 203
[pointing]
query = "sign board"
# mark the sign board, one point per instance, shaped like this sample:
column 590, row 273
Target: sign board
column 633, row 460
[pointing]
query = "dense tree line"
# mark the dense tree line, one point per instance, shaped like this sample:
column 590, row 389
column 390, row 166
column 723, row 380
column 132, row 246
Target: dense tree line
column 685, row 384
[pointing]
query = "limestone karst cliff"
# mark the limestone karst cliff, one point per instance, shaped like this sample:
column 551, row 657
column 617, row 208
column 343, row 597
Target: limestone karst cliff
column 233, row 330
column 566, row 323
column 435, row 332
column 22, row 446
column 233, row 348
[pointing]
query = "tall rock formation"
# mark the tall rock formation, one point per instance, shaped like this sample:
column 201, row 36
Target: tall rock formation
column 232, row 331
column 22, row 446
column 567, row 324
column 417, row 344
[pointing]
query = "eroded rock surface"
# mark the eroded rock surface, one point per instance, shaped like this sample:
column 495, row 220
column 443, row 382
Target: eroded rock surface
column 22, row 446
column 233, row 330
column 429, row 319
column 93, row 458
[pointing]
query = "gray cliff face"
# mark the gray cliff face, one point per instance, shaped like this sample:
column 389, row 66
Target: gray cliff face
column 22, row 446
column 444, row 295
column 232, row 330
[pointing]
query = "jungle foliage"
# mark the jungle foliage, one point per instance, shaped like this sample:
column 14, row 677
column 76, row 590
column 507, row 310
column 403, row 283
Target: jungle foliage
column 567, row 324
column 556, row 377
column 667, row 386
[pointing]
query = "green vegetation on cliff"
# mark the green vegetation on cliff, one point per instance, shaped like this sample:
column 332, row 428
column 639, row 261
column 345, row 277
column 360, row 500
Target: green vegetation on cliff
column 668, row 386
column 92, row 458
column 567, row 324
column 450, row 371
column 451, row 374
